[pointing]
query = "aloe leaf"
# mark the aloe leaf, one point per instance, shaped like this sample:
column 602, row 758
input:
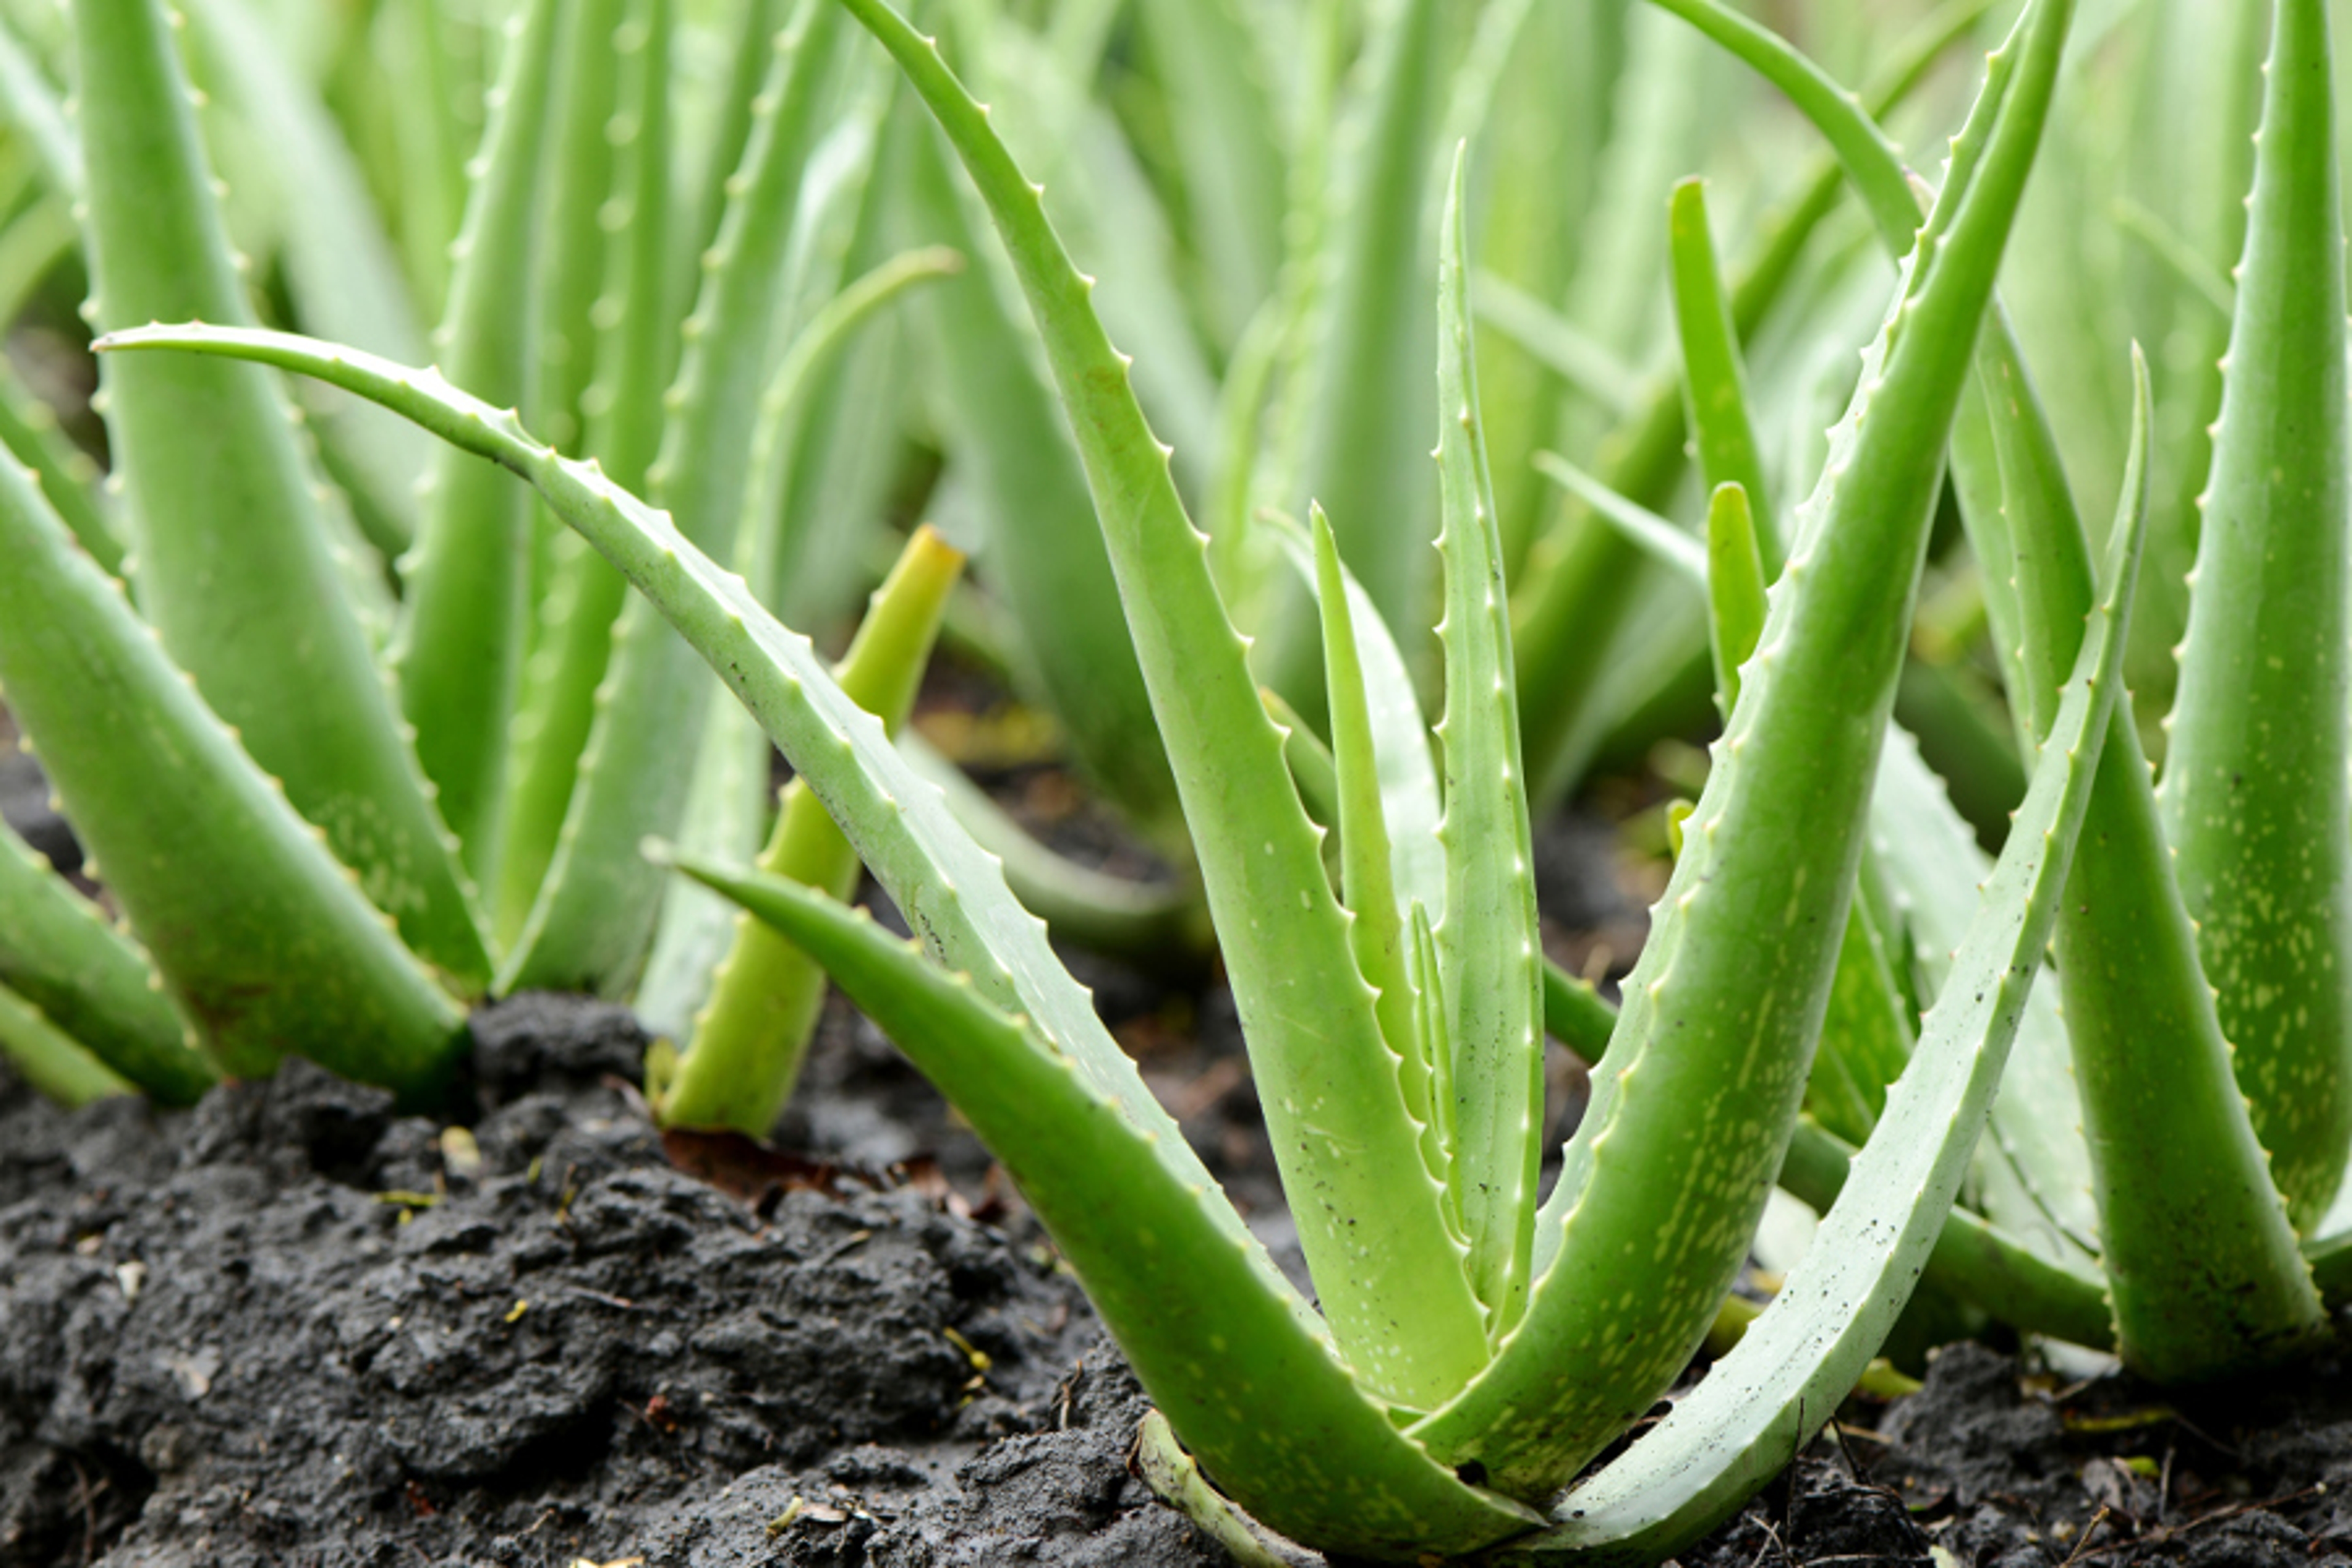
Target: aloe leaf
column 233, row 556
column 1574, row 1012
column 69, row 480
column 1327, row 1077
column 340, row 265
column 59, row 954
column 459, row 655
column 1714, row 379
column 624, row 410
column 595, row 911
column 263, row 938
column 1228, row 149
column 2256, row 802
column 1369, row 405
column 1759, row 1405
column 751, row 48
column 1207, row 1336
column 749, row 1042
column 1712, row 1050
column 1735, row 586
column 1365, row 857
column 1486, row 940
column 1044, row 553
column 579, row 167
column 35, row 112
column 47, row 1059
column 1410, row 800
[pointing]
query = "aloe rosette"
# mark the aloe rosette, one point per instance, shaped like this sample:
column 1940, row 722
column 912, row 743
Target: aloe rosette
column 299, row 888
column 2181, row 1214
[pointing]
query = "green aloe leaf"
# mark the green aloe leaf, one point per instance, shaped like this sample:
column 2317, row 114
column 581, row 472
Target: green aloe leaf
column 459, row 655
column 59, row 954
column 46, row 1057
column 595, row 911
column 1044, row 553
column 263, row 938
column 2257, row 796
column 1209, row 1340
column 624, row 406
column 1487, row 946
column 1714, row 379
column 233, row 564
column 341, row 268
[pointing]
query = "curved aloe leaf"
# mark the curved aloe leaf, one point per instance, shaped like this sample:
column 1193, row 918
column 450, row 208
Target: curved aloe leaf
column 1758, row 1407
column 1207, row 1337
column 1228, row 148
column 953, row 893
column 2257, row 796
column 263, row 938
column 1693, row 1102
column 1395, row 1293
column 234, row 563
column 59, row 954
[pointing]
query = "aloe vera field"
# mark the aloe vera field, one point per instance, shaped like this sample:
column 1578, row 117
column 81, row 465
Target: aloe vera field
column 1174, row 782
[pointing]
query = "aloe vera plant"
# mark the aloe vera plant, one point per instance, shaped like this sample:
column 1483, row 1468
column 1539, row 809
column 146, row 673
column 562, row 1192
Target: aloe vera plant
column 2185, row 1214
column 1473, row 1347
column 343, row 861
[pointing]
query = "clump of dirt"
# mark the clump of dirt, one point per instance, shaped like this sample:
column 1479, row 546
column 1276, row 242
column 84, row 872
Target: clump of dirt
column 289, row 1326
column 1993, row 1464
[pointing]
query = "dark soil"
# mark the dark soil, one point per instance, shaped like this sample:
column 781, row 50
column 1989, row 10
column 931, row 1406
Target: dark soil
column 290, row 1327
